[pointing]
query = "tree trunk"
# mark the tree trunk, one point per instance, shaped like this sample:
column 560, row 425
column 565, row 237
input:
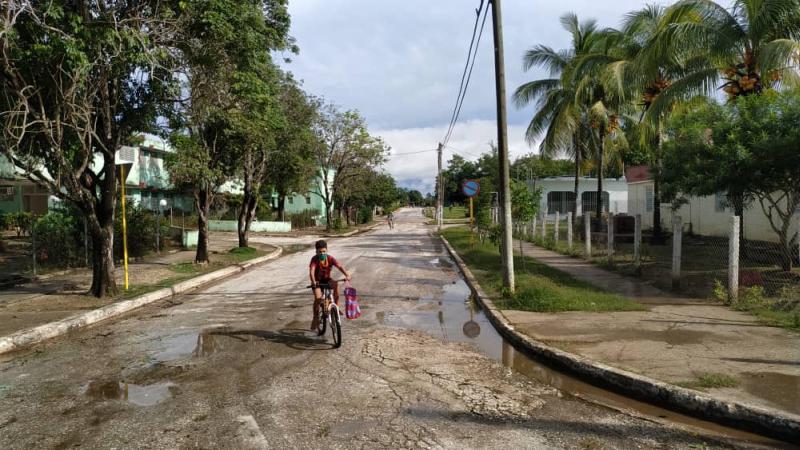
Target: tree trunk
column 738, row 209
column 658, row 232
column 577, row 183
column 282, row 206
column 600, row 170
column 246, row 214
column 101, row 230
column 103, row 281
column 203, row 203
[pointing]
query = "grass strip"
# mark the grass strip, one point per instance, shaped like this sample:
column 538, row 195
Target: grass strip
column 540, row 288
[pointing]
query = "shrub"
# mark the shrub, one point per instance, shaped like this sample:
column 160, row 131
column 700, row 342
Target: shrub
column 337, row 224
column 58, row 239
column 141, row 225
column 365, row 214
column 22, row 221
column 304, row 219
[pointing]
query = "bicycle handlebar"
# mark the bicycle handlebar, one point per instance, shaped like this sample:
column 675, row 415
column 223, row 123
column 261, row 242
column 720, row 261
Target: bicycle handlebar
column 322, row 285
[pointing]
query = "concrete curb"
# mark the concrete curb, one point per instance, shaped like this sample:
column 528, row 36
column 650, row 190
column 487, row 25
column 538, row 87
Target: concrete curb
column 32, row 336
column 769, row 422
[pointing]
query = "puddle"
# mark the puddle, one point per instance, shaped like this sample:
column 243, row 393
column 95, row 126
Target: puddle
column 149, row 395
column 455, row 317
column 779, row 388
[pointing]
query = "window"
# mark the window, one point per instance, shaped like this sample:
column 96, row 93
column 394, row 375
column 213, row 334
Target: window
column 589, row 201
column 291, row 199
column 308, row 199
column 649, row 198
column 7, row 193
column 560, row 201
column 720, row 202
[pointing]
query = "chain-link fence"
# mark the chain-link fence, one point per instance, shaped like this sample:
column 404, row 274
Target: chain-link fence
column 732, row 266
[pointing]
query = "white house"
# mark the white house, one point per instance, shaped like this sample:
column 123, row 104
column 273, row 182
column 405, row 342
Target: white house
column 558, row 194
column 706, row 216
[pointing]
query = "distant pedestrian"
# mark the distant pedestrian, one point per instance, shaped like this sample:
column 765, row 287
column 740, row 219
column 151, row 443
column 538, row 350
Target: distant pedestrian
column 390, row 220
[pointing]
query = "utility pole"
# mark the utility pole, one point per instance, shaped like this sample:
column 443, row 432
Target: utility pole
column 502, row 150
column 439, row 192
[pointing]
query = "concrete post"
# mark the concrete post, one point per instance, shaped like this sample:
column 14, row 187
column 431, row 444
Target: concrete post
column 637, row 242
column 733, row 259
column 544, row 227
column 569, row 230
column 677, row 235
column 587, row 233
column 533, row 227
column 610, row 239
column 556, row 230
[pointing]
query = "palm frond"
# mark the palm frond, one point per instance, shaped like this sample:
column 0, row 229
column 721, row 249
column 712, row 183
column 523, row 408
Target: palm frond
column 778, row 54
column 545, row 57
column 530, row 91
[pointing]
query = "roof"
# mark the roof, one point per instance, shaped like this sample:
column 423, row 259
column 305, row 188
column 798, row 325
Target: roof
column 637, row 174
column 572, row 178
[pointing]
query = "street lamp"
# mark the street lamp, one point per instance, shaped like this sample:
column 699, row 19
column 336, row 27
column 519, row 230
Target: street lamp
column 161, row 204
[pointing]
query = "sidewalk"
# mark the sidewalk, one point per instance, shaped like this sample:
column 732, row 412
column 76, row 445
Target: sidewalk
column 62, row 294
column 694, row 343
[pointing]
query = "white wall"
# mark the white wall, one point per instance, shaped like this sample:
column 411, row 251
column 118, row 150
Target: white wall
column 701, row 216
column 617, row 190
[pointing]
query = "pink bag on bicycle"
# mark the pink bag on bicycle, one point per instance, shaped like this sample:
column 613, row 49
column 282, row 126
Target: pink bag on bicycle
column 352, row 310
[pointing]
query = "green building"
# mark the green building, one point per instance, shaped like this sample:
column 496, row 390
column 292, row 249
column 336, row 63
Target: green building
column 17, row 193
column 146, row 178
column 312, row 200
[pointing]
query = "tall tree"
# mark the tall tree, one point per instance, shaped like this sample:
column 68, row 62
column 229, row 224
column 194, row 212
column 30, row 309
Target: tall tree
column 79, row 80
column 290, row 167
column 224, row 46
column 344, row 146
column 560, row 117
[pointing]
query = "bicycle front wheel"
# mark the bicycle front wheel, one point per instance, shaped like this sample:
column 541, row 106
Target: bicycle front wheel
column 323, row 323
column 336, row 327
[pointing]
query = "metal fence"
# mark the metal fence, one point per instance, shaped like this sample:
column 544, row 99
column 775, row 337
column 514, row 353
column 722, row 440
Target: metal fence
column 731, row 268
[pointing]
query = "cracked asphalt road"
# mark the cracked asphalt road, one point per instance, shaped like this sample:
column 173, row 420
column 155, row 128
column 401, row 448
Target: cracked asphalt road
column 232, row 366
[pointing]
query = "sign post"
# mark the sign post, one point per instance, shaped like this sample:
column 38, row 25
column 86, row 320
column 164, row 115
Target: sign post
column 471, row 188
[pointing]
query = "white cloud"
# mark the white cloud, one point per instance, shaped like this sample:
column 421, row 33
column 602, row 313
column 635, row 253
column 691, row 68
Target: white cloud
column 469, row 139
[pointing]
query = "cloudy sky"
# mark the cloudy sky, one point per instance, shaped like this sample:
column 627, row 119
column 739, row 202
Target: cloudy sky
column 399, row 62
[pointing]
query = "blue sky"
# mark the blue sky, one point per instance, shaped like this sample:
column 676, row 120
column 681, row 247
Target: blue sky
column 399, row 62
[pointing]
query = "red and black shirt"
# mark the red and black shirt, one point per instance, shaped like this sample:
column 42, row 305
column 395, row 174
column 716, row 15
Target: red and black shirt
column 322, row 269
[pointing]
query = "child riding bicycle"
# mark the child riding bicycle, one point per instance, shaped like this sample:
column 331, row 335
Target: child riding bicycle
column 319, row 271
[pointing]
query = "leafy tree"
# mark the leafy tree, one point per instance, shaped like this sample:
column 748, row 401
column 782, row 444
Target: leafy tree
column 458, row 170
column 747, row 149
column 224, row 48
column 80, row 79
column 344, row 147
column 290, row 166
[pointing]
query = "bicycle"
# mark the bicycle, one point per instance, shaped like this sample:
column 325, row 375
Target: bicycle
column 329, row 314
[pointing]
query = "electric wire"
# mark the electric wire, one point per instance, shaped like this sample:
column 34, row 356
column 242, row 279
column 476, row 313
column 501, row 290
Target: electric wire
column 462, row 88
column 469, row 77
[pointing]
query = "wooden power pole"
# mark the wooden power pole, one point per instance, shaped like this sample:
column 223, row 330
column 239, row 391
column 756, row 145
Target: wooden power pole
column 439, row 192
column 502, row 150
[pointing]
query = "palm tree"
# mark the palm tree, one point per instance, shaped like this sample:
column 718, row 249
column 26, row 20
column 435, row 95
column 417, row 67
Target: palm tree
column 559, row 115
column 751, row 47
column 642, row 73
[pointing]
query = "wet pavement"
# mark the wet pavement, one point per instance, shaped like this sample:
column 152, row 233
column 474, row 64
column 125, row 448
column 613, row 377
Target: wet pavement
column 677, row 340
column 233, row 366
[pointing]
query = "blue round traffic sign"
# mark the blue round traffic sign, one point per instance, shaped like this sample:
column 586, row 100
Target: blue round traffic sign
column 471, row 188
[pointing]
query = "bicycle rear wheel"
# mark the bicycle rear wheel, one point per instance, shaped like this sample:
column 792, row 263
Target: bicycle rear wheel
column 336, row 326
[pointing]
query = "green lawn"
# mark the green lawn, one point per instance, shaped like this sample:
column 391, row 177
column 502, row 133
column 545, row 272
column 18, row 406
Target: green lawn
column 539, row 287
column 455, row 212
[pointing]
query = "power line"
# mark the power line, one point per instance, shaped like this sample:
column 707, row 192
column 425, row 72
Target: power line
column 469, row 76
column 413, row 153
column 462, row 88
